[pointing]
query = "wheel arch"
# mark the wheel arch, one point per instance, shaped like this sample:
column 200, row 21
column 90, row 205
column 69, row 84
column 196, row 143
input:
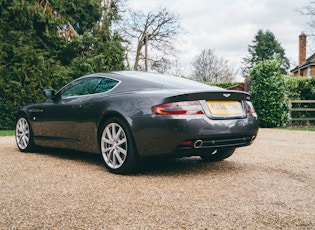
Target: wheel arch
column 21, row 113
column 114, row 114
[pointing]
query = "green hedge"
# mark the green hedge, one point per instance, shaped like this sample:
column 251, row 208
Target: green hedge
column 301, row 88
column 272, row 92
column 223, row 85
column 266, row 99
column 269, row 94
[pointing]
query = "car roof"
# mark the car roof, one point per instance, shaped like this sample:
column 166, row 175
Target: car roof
column 145, row 80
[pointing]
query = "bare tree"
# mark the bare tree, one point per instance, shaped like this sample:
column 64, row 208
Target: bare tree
column 161, row 65
column 157, row 28
column 309, row 10
column 179, row 69
column 208, row 67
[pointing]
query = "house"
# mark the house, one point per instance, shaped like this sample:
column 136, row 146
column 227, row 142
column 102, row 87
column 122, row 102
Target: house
column 306, row 67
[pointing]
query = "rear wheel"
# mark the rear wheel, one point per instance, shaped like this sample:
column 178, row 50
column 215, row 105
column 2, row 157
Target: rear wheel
column 117, row 147
column 24, row 135
column 218, row 155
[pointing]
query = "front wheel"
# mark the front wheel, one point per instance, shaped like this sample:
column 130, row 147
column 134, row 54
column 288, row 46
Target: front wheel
column 24, row 135
column 117, row 147
column 218, row 155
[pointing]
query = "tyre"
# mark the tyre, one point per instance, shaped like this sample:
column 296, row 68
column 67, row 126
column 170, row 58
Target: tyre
column 117, row 147
column 218, row 155
column 24, row 136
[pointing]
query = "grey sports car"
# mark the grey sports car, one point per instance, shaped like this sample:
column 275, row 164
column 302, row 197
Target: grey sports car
column 127, row 115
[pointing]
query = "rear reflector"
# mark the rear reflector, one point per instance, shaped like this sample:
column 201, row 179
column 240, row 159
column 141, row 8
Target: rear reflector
column 250, row 107
column 178, row 108
column 186, row 143
column 251, row 111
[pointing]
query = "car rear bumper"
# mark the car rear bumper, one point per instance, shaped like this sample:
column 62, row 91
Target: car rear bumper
column 191, row 134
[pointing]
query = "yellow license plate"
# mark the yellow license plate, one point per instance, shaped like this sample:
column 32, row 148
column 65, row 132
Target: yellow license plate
column 225, row 107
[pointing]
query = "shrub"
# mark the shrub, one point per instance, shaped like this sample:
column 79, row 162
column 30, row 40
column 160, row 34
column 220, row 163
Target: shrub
column 269, row 93
column 301, row 88
column 223, row 85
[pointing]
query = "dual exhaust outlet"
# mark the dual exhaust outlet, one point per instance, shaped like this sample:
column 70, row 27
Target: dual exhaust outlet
column 199, row 143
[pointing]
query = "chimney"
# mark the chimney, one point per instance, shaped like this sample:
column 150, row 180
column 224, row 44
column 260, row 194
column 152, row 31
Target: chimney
column 302, row 48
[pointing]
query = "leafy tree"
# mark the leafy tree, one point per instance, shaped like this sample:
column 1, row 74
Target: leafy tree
column 269, row 93
column 208, row 67
column 264, row 47
column 101, row 52
column 44, row 44
column 158, row 28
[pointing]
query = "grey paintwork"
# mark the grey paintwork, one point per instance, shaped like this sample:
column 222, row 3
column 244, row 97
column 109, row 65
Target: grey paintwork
column 75, row 122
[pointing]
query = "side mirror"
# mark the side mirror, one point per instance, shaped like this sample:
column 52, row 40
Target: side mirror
column 49, row 93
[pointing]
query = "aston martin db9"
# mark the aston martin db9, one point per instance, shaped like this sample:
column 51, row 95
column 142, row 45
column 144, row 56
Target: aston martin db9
column 127, row 115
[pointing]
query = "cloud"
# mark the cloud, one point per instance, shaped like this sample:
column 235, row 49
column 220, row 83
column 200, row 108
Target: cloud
column 229, row 26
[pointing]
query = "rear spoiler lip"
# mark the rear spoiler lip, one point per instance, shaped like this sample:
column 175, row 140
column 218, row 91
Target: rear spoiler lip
column 223, row 95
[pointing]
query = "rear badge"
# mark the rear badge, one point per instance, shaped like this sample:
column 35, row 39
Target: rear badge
column 226, row 95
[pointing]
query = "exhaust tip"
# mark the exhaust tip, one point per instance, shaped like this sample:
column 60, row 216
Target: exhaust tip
column 253, row 138
column 198, row 144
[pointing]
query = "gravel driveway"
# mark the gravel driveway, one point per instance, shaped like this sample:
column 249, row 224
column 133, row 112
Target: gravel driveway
column 269, row 185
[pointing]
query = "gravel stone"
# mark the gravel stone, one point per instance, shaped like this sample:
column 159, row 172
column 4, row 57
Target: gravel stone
column 268, row 185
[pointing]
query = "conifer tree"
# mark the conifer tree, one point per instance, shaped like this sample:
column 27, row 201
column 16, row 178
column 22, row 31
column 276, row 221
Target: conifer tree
column 264, row 47
column 46, row 43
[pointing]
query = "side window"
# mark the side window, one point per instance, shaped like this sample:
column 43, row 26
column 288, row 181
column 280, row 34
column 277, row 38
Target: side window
column 105, row 85
column 81, row 87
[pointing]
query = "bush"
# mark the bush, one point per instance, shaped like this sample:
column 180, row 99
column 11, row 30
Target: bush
column 301, row 88
column 33, row 55
column 223, row 85
column 269, row 94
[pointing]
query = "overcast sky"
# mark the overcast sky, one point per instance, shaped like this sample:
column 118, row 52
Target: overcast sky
column 229, row 26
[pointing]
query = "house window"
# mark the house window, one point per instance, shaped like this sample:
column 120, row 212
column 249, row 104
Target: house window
column 308, row 72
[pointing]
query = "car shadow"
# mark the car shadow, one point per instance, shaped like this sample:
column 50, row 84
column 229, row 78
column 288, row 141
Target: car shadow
column 187, row 165
column 73, row 155
column 151, row 166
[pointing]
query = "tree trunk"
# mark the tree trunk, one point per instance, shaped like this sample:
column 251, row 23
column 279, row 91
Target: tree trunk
column 138, row 54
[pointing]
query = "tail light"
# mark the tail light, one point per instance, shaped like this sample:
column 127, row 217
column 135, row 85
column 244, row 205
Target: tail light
column 250, row 108
column 178, row 108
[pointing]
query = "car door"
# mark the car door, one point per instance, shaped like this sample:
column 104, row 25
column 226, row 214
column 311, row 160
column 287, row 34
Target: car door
column 61, row 117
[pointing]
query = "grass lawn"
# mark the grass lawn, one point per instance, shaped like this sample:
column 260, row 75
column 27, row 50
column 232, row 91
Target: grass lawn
column 7, row 133
column 310, row 128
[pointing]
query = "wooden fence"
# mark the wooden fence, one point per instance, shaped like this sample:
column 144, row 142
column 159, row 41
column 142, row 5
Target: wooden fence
column 303, row 109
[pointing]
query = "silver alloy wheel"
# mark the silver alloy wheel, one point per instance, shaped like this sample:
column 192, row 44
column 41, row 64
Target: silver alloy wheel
column 114, row 145
column 22, row 133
